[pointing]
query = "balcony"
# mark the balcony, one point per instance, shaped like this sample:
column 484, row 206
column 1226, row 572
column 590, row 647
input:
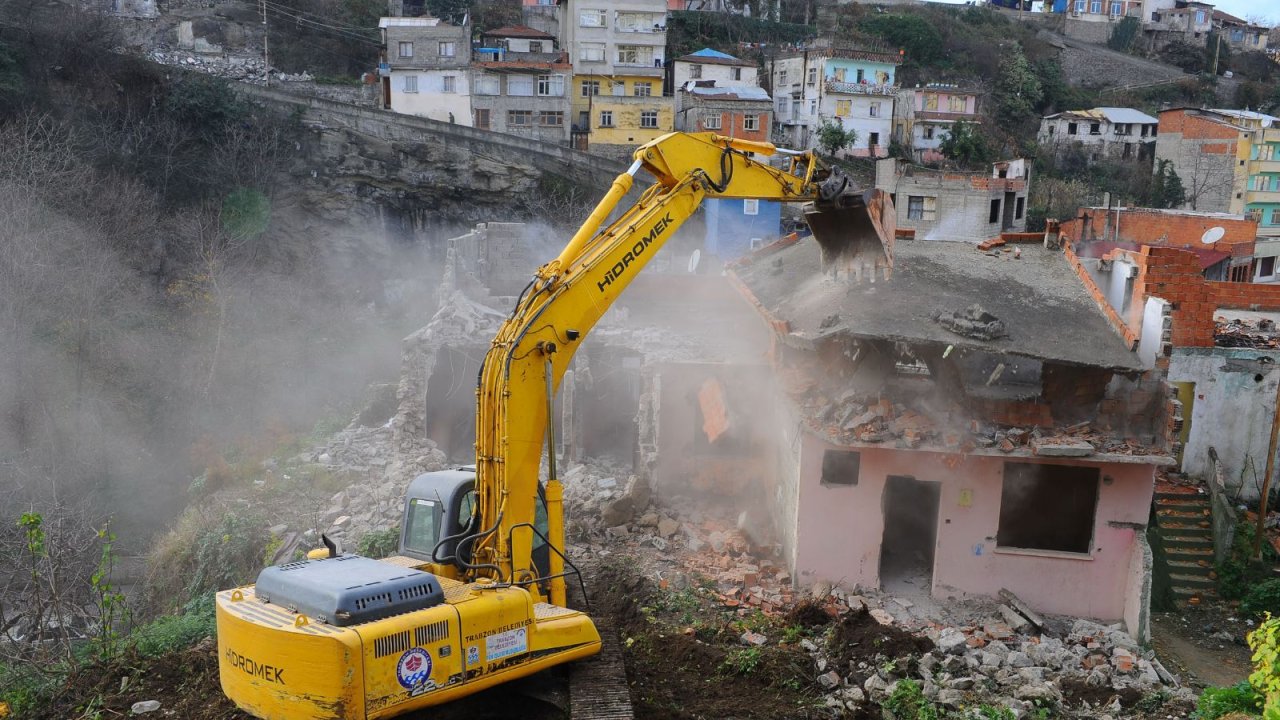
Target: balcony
column 848, row 88
column 640, row 28
column 1264, row 166
column 1262, row 196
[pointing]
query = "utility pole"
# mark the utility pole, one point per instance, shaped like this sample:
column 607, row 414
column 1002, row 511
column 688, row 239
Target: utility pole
column 266, row 57
column 1217, row 34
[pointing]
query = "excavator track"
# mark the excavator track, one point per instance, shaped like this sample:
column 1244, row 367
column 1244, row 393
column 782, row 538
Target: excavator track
column 598, row 688
column 598, row 685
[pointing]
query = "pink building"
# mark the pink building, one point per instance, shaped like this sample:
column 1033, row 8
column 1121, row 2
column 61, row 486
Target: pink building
column 924, row 116
column 974, row 422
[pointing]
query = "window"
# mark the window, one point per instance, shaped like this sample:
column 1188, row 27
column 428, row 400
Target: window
column 635, row 21
column 750, row 123
column 617, row 88
column 957, row 103
column 813, row 75
column 1095, row 128
column 928, row 132
column 994, row 215
column 406, row 49
column 1238, row 273
column 487, row 85
column 695, row 71
column 1018, row 207
column 591, row 52
column 448, row 49
column 1275, row 216
column 861, row 78
column 642, row 89
column 519, row 118
column 840, row 467
column 520, row 85
column 606, row 118
column 930, row 102
column 922, row 207
column 1072, row 128
column 1079, row 6
column 591, row 18
column 635, row 54
column 782, row 77
column 424, row 519
column 1095, row 7
column 844, row 108
column 551, row 85
column 410, row 84
column 590, row 87
column 875, row 109
column 1047, row 507
column 535, row 46
column 1199, row 17
column 551, row 118
column 915, row 207
column 482, row 118
column 839, row 74
column 711, row 122
column 873, row 139
column 1115, row 9
column 736, row 73
column 750, row 207
column 449, row 84
column 1266, row 268
column 813, row 107
column 649, row 118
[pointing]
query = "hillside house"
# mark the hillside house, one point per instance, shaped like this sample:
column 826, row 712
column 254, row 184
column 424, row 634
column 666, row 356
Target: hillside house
column 707, row 64
column 424, row 68
column 926, row 417
column 1240, row 34
column 853, row 85
column 953, row 205
column 923, row 116
column 1103, row 132
column 520, row 84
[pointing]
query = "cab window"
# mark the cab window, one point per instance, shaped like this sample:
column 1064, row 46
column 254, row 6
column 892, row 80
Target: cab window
column 540, row 522
column 422, row 532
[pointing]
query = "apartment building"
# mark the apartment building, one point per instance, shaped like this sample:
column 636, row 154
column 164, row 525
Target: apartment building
column 923, row 116
column 829, row 81
column 1229, row 161
column 617, row 49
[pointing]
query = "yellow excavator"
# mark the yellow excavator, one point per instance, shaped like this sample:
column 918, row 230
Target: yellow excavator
column 476, row 594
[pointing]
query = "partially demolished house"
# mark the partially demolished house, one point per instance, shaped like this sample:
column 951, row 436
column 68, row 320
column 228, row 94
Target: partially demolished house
column 978, row 421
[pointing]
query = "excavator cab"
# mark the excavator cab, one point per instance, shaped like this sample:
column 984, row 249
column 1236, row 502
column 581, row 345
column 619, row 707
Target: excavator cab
column 441, row 522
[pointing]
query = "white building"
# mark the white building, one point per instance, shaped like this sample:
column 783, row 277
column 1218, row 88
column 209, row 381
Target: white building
column 425, row 68
column 1103, row 132
column 707, row 64
column 830, row 83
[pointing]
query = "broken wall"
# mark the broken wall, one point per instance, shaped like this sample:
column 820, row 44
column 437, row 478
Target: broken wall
column 952, row 205
column 1233, row 405
column 841, row 527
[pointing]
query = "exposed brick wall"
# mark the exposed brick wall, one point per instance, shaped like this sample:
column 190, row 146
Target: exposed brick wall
column 1126, row 330
column 1073, row 393
column 1163, row 228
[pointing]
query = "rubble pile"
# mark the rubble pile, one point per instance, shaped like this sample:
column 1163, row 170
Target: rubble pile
column 1261, row 333
column 848, row 418
column 251, row 69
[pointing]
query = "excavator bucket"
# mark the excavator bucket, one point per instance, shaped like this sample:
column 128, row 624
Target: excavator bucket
column 855, row 231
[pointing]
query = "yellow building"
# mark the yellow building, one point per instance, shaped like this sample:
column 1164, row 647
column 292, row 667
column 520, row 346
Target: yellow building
column 619, row 112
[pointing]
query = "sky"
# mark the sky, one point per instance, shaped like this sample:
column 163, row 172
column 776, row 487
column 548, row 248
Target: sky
column 1269, row 9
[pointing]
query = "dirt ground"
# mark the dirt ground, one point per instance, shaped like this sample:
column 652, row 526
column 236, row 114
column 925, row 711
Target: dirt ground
column 1204, row 645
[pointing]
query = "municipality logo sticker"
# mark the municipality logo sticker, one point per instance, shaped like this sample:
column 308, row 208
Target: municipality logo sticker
column 414, row 668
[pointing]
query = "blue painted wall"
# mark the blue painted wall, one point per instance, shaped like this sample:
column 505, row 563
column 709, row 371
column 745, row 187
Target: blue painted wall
column 730, row 229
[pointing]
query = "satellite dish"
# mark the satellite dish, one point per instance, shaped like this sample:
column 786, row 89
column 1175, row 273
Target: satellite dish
column 693, row 261
column 1213, row 235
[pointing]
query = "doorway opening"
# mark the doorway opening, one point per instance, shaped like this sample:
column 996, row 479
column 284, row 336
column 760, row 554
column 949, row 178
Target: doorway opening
column 910, row 533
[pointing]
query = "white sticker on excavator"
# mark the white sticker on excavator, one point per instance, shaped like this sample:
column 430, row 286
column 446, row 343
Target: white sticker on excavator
column 505, row 644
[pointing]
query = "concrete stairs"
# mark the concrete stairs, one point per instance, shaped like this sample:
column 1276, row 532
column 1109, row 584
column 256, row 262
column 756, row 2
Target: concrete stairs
column 1183, row 518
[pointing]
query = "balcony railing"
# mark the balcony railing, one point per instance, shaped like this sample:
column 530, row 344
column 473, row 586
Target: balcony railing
column 1263, row 196
column 1264, row 166
column 848, row 88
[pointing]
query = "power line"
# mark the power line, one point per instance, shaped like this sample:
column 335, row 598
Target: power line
column 323, row 24
column 311, row 24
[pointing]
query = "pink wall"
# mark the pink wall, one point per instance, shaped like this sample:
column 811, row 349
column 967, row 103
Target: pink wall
column 944, row 101
column 840, row 530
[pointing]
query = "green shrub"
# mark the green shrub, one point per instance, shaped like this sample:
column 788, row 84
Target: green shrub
column 742, row 661
column 25, row 689
column 907, row 702
column 1263, row 598
column 1238, row 573
column 1216, row 702
column 379, row 543
column 171, row 633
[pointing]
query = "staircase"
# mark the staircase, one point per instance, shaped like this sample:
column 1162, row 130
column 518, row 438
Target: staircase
column 1184, row 520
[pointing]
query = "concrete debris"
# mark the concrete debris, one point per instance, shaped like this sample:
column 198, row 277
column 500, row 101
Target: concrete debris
column 146, row 706
column 754, row 639
column 973, row 321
